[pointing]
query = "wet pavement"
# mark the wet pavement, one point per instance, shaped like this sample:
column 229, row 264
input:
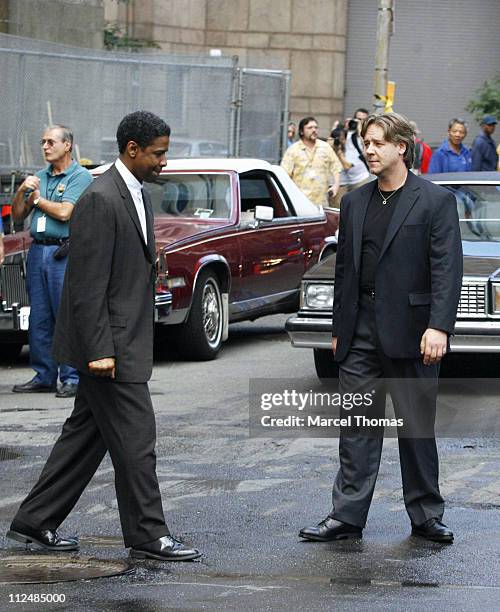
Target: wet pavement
column 242, row 500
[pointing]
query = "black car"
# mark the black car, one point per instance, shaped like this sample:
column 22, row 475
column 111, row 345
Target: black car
column 477, row 329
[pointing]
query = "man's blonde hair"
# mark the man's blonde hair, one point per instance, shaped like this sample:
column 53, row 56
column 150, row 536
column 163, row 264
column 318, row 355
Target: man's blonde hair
column 397, row 128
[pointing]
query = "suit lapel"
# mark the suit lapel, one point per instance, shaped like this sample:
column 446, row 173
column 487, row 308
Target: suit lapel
column 407, row 199
column 359, row 206
column 130, row 207
column 149, row 223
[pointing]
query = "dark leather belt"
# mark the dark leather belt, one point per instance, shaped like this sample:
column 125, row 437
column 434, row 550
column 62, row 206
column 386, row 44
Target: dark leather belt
column 50, row 241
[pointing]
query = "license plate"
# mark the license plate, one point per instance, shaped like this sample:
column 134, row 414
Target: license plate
column 24, row 316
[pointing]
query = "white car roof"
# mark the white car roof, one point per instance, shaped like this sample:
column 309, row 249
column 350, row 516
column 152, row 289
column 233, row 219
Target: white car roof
column 303, row 206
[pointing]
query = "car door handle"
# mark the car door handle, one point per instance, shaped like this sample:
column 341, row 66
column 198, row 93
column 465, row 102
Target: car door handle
column 299, row 232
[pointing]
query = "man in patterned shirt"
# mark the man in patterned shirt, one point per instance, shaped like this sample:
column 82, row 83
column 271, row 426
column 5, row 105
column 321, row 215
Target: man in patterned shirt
column 312, row 164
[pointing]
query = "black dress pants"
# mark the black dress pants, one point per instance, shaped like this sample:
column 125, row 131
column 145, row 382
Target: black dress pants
column 359, row 452
column 108, row 416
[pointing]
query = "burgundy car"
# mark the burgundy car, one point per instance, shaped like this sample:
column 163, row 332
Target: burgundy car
column 234, row 238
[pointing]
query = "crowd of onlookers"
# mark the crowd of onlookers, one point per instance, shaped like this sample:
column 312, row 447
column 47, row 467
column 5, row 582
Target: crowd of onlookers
column 326, row 169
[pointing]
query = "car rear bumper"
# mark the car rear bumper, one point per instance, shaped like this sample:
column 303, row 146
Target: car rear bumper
column 469, row 337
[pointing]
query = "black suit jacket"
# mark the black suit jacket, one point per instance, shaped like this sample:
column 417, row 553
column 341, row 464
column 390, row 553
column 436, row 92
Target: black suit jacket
column 107, row 304
column 419, row 272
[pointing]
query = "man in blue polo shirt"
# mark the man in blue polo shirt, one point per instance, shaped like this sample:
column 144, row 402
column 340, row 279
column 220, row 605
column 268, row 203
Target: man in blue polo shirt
column 51, row 194
column 484, row 150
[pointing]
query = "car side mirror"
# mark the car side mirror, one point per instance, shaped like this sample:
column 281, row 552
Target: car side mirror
column 264, row 213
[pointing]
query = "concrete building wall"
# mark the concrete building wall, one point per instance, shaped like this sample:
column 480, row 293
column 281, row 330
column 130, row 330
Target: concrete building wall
column 307, row 37
column 73, row 22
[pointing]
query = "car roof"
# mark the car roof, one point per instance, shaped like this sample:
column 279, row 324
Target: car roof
column 240, row 164
column 463, row 177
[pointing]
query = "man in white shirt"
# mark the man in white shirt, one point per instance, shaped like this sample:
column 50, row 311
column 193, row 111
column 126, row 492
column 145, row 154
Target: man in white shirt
column 105, row 330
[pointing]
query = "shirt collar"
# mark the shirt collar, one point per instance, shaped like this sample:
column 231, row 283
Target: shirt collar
column 127, row 176
column 69, row 170
column 448, row 148
column 303, row 146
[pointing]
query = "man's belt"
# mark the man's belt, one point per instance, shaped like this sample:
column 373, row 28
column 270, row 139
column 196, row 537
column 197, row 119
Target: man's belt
column 50, row 241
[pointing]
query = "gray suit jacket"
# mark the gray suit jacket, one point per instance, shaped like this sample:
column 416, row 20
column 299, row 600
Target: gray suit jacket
column 107, row 305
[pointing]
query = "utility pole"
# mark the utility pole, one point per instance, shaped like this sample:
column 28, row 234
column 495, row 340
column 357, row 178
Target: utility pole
column 385, row 18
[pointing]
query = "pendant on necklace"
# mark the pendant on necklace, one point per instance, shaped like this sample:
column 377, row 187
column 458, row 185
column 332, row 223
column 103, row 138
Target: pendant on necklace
column 384, row 202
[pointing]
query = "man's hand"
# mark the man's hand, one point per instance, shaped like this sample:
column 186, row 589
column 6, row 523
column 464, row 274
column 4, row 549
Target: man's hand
column 33, row 196
column 30, row 182
column 2, row 252
column 334, row 344
column 433, row 345
column 103, row 367
column 332, row 191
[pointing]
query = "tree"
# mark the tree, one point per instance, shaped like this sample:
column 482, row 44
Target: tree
column 487, row 101
column 117, row 40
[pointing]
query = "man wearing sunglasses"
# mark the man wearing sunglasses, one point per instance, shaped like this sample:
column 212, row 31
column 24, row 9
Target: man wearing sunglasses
column 50, row 195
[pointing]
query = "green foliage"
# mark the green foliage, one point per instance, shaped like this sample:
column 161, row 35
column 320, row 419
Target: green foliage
column 487, row 101
column 115, row 39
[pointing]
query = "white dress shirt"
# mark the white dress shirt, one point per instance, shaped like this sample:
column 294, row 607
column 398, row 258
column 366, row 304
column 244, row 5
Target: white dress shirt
column 135, row 188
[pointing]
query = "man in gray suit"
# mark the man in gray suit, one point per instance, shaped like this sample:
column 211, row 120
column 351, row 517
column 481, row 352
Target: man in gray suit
column 105, row 329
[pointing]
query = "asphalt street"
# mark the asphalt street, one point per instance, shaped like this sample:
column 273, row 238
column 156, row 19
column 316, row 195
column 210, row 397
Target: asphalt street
column 242, row 500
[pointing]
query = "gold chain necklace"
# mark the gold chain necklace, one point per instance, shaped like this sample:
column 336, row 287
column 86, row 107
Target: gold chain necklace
column 386, row 199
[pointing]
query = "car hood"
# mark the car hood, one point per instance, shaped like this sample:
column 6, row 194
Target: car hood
column 323, row 270
column 169, row 231
column 485, row 264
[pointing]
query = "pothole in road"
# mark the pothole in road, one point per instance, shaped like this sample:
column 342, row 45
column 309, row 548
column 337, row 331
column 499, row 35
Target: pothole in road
column 39, row 569
column 8, row 453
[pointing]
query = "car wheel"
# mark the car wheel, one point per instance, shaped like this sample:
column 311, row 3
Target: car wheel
column 200, row 337
column 325, row 365
column 10, row 351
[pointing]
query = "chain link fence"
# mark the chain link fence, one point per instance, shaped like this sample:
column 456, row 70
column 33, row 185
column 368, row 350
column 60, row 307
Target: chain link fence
column 215, row 108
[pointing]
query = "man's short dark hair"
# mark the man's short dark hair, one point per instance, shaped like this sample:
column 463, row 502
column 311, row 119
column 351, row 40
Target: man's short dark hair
column 142, row 127
column 304, row 122
column 396, row 129
column 361, row 110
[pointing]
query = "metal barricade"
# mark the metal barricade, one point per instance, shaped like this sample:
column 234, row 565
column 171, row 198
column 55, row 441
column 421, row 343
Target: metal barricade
column 91, row 90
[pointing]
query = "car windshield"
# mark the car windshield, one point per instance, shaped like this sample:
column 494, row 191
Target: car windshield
column 202, row 196
column 478, row 211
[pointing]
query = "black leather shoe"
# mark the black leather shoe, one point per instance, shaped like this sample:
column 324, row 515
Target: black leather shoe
column 433, row 530
column 46, row 538
column 330, row 529
column 67, row 390
column 166, row 548
column 32, row 386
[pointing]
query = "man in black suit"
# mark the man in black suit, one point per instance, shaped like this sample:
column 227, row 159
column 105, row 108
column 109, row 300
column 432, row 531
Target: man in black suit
column 398, row 276
column 105, row 329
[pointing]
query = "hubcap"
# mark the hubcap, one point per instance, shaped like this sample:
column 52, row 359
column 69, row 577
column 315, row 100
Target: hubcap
column 211, row 309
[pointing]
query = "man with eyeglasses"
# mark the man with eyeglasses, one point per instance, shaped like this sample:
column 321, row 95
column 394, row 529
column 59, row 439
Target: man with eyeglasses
column 50, row 195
